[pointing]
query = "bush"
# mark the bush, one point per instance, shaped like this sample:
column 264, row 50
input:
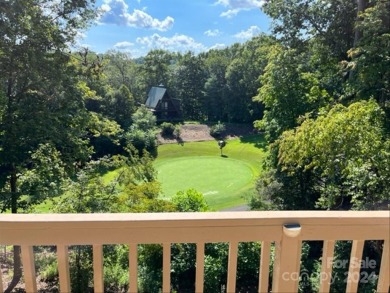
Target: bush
column 142, row 140
column 167, row 129
column 177, row 131
column 217, row 130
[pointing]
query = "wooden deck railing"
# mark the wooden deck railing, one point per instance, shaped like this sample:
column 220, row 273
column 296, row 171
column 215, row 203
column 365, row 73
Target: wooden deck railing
column 286, row 229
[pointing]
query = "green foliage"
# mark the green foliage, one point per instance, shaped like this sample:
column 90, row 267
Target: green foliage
column 187, row 82
column 43, row 178
column 81, row 268
column 177, row 131
column 190, row 201
column 142, row 133
column 289, row 89
column 347, row 150
column 46, row 264
column 369, row 61
column 143, row 119
column 218, row 130
column 167, row 129
column 142, row 140
column 116, row 267
column 119, row 105
column 155, row 69
column 150, row 268
column 87, row 192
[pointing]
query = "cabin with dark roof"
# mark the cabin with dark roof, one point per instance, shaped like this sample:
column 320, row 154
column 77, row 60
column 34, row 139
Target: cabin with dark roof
column 163, row 105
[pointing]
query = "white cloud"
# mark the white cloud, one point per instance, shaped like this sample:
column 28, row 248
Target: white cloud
column 123, row 45
column 212, row 33
column 177, row 42
column 218, row 47
column 235, row 6
column 249, row 33
column 230, row 13
column 117, row 12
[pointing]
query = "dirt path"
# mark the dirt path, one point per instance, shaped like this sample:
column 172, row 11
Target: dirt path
column 201, row 132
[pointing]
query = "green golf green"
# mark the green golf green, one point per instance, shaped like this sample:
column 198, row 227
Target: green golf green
column 222, row 180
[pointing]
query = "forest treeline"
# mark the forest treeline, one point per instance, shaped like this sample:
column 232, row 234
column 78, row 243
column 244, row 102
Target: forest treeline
column 318, row 87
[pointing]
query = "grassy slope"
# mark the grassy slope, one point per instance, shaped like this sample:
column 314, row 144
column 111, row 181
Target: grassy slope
column 248, row 152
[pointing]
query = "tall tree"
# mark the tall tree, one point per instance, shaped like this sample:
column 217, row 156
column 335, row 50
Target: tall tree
column 369, row 62
column 122, row 70
column 41, row 97
column 187, row 83
column 242, row 78
column 119, row 105
column 290, row 88
column 215, row 89
column 348, row 153
column 155, row 69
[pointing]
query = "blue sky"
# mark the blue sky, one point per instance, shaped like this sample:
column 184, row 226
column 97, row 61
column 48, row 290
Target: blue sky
column 138, row 26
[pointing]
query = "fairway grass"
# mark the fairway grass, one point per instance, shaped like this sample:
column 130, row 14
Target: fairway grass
column 224, row 181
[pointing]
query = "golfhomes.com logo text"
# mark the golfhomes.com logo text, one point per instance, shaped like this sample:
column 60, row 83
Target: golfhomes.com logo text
column 358, row 275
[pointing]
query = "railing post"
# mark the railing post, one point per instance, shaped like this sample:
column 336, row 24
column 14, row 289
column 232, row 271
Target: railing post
column 133, row 268
column 29, row 268
column 199, row 281
column 287, row 260
column 354, row 266
column 166, row 268
column 63, row 268
column 327, row 265
column 264, row 266
column 384, row 278
column 1, row 278
column 232, row 267
column 98, row 275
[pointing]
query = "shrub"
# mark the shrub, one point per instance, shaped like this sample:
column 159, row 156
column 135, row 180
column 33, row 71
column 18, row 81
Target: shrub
column 142, row 140
column 217, row 130
column 177, row 131
column 167, row 129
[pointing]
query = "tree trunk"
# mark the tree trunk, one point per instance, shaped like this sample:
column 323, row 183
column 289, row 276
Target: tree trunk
column 14, row 209
column 17, row 270
column 361, row 6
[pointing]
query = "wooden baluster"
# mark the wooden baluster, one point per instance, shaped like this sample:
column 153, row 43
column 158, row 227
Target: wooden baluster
column 1, row 277
column 326, row 266
column 98, row 275
column 199, row 283
column 29, row 268
column 264, row 266
column 383, row 281
column 63, row 268
column 232, row 267
column 354, row 266
column 133, row 268
column 166, row 267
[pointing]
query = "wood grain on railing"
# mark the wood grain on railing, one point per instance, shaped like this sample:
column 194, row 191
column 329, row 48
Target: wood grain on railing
column 276, row 227
column 29, row 268
column 384, row 276
column 326, row 265
column 264, row 266
column 133, row 268
column 199, row 277
column 98, row 275
column 63, row 267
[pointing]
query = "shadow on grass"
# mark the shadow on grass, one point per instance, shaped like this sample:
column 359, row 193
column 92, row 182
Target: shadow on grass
column 180, row 141
column 257, row 140
column 224, row 156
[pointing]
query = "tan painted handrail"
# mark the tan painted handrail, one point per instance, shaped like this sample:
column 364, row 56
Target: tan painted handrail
column 287, row 229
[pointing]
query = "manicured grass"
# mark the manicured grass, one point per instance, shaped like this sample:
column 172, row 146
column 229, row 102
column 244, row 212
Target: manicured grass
column 224, row 181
